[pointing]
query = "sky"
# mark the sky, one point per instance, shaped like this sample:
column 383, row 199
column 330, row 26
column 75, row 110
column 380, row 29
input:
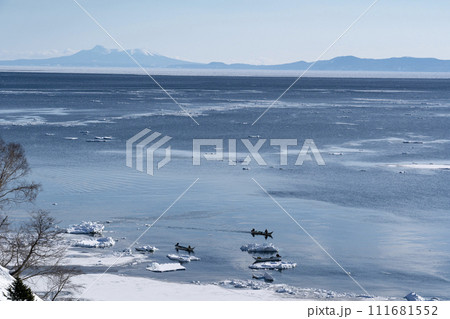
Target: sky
column 258, row 32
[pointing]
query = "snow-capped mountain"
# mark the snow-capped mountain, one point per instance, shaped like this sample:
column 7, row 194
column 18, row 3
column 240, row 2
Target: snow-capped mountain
column 100, row 56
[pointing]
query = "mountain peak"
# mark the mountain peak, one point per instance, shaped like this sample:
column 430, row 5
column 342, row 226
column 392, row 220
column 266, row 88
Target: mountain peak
column 100, row 49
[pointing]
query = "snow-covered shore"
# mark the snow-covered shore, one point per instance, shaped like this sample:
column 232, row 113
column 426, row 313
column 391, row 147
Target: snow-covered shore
column 115, row 287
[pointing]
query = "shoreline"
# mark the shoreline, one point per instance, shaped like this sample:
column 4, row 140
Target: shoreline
column 227, row 72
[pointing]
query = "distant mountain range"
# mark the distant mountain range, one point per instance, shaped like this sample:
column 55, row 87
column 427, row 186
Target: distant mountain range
column 99, row 57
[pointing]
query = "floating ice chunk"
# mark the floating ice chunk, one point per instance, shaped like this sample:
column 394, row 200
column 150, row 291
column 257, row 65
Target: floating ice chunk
column 146, row 248
column 182, row 258
column 412, row 296
column 260, row 248
column 266, row 276
column 101, row 242
column 274, row 265
column 155, row 267
column 258, row 276
column 89, row 228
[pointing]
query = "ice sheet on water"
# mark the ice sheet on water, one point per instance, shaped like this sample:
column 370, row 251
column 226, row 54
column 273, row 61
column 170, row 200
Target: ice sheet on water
column 182, row 258
column 89, row 228
column 156, row 267
column 279, row 265
column 101, row 242
column 260, row 248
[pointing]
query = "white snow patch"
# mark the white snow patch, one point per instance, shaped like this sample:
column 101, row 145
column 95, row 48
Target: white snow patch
column 89, row 228
column 156, row 267
column 121, row 288
column 260, row 248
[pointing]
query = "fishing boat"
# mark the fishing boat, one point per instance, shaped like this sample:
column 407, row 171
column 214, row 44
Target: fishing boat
column 261, row 233
column 188, row 248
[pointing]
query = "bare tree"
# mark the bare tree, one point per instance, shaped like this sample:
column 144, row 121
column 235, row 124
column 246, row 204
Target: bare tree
column 35, row 244
column 14, row 169
column 33, row 249
column 60, row 280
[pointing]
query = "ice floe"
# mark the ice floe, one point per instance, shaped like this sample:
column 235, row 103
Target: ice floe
column 100, row 242
column 96, row 258
column 89, row 228
column 146, row 248
column 412, row 296
column 266, row 276
column 260, row 248
column 156, row 267
column 279, row 265
column 182, row 258
column 290, row 291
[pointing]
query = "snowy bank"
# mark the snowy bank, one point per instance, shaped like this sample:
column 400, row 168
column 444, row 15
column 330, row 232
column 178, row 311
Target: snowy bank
column 124, row 288
column 87, row 228
column 101, row 242
column 260, row 248
column 5, row 281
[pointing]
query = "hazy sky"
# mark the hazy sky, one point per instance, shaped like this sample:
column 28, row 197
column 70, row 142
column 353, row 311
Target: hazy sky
column 229, row 31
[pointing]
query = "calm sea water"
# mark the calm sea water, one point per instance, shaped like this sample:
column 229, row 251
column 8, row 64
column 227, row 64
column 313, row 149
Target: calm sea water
column 389, row 229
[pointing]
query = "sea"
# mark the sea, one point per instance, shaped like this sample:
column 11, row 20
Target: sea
column 379, row 208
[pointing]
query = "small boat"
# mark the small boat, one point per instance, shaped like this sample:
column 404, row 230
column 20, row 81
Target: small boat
column 266, row 259
column 261, row 233
column 188, row 248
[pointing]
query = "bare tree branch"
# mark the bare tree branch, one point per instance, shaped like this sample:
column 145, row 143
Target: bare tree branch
column 14, row 169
